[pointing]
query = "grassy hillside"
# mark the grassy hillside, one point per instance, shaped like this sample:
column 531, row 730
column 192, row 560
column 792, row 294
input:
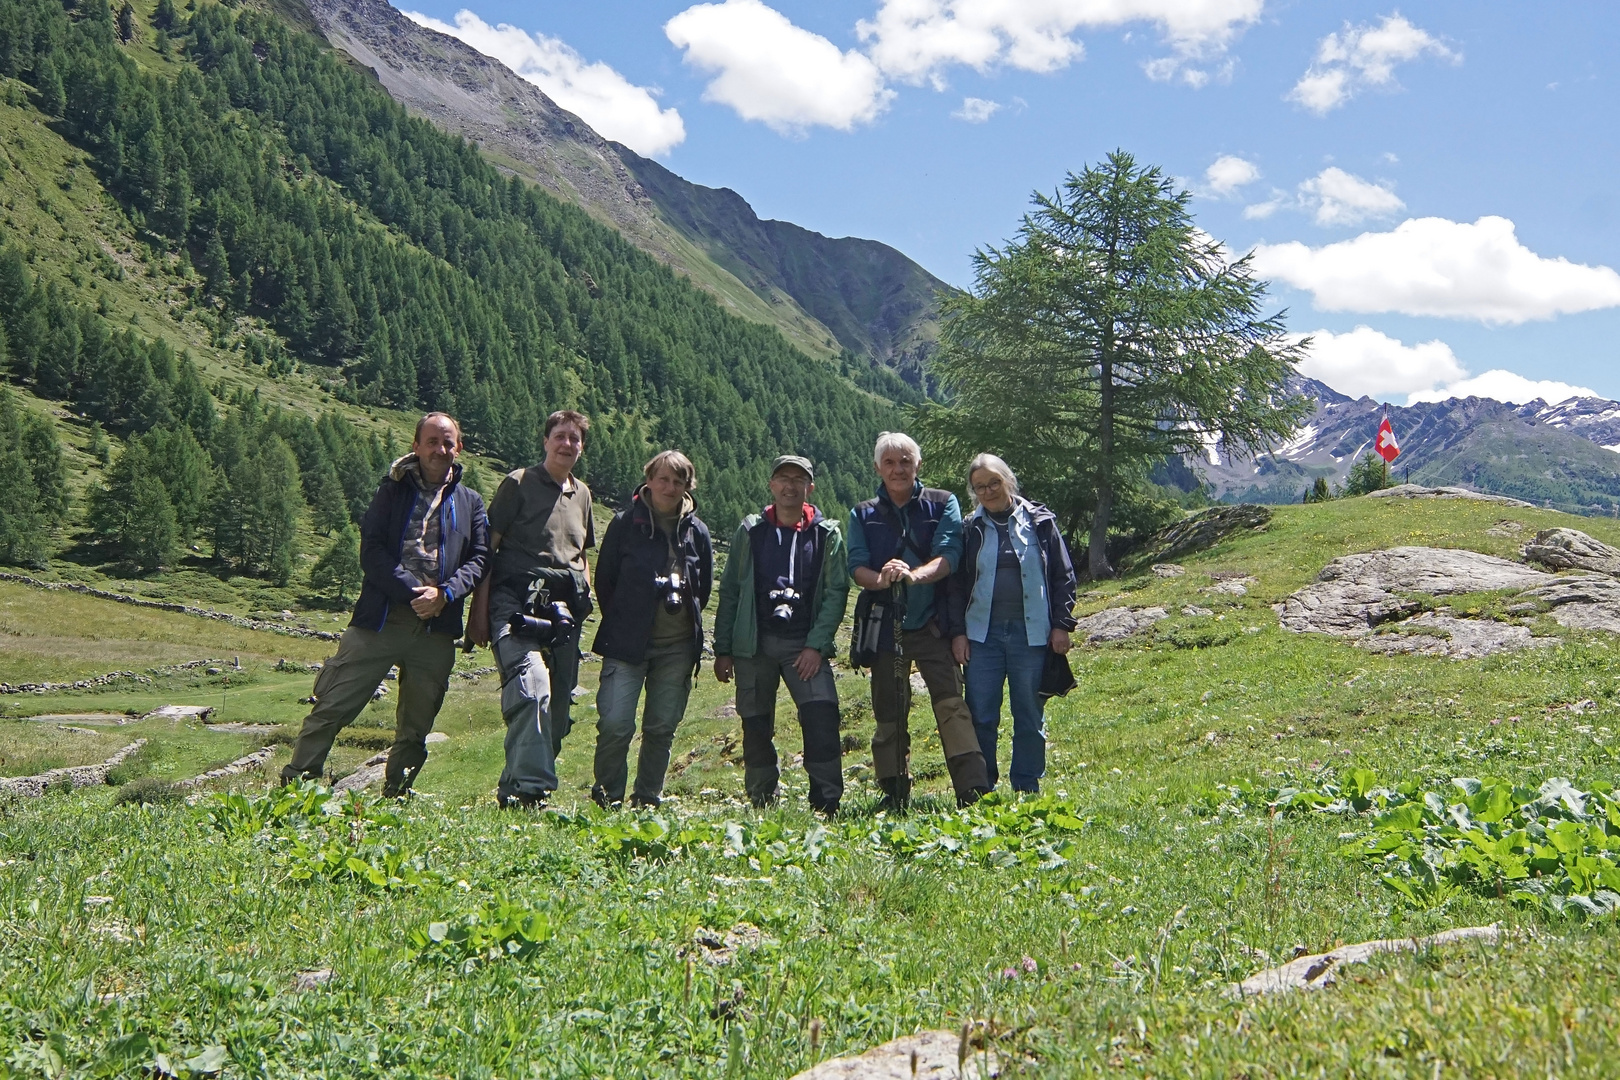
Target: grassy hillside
column 134, row 931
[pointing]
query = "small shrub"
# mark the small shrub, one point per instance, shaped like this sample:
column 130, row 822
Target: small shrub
column 147, row 791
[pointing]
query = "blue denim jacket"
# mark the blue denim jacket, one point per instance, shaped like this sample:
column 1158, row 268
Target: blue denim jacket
column 1051, row 561
column 1021, row 531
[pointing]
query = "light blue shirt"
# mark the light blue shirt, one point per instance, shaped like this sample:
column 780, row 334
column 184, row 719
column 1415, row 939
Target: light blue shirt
column 1021, row 531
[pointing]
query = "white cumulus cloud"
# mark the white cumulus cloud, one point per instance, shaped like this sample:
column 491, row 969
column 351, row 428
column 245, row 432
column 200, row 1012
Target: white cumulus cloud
column 1228, row 172
column 914, row 40
column 1361, row 56
column 768, row 69
column 1504, row 386
column 1450, row 269
column 1366, row 361
column 1342, row 198
column 976, row 110
column 613, row 105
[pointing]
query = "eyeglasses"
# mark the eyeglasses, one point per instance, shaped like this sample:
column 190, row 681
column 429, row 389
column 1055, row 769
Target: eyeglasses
column 986, row 488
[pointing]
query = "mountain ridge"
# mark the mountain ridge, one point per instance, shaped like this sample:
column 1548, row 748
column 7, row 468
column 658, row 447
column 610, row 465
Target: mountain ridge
column 521, row 129
column 1561, row 454
column 866, row 292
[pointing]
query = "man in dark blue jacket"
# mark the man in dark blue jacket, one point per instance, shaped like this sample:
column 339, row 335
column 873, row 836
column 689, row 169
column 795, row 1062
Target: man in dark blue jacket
column 423, row 544
column 901, row 544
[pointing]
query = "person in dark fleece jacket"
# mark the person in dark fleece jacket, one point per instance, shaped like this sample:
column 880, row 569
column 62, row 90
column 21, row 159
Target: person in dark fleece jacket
column 423, row 544
column 653, row 577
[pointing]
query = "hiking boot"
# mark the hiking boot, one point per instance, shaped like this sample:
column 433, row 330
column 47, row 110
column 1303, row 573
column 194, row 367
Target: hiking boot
column 969, row 777
column 896, row 793
column 514, row 801
column 970, row 796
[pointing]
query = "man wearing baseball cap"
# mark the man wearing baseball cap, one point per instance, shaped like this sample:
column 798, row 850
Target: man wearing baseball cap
column 779, row 609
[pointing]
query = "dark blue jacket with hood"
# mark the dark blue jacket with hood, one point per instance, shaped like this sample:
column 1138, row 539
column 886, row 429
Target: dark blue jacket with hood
column 463, row 548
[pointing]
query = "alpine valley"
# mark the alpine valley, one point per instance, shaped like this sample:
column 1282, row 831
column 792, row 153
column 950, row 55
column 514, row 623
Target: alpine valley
column 1564, row 455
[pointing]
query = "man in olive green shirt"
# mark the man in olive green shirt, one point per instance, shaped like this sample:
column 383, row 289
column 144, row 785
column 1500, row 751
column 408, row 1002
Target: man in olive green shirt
column 540, row 520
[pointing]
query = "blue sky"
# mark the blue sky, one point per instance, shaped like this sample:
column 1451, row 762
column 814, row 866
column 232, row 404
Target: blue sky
column 1432, row 187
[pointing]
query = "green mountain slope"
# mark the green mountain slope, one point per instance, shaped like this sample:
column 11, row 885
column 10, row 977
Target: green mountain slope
column 223, row 238
column 408, row 271
column 522, row 131
column 825, row 295
column 877, row 302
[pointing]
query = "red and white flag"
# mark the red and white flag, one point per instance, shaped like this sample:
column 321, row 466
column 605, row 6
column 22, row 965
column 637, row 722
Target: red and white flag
column 1386, row 446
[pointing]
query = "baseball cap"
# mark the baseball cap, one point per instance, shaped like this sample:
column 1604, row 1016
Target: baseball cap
column 795, row 460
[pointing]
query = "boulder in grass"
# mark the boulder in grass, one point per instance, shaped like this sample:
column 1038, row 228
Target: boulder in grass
column 1571, row 549
column 927, row 1055
column 1117, row 623
column 1319, row 970
column 180, row 712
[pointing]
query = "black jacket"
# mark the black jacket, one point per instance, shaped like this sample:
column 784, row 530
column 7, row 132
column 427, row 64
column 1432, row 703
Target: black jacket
column 463, row 550
column 633, row 554
column 1061, row 584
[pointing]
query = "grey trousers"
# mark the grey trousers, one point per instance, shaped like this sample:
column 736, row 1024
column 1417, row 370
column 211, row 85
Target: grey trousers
column 348, row 680
column 528, row 706
column 667, row 676
column 817, row 702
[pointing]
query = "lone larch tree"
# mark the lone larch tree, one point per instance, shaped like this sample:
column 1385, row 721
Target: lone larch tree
column 1110, row 335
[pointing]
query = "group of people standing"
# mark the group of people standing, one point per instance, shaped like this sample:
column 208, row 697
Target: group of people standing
column 990, row 598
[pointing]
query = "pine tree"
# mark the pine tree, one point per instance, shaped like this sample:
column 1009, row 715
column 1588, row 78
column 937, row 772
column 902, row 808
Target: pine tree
column 1145, row 341
column 164, row 17
column 24, row 526
column 326, row 501
column 97, row 445
column 149, row 534
column 126, row 22
column 52, row 99
column 1367, row 475
column 338, row 569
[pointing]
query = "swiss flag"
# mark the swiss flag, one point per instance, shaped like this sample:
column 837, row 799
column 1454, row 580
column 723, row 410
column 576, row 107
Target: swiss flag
column 1386, row 446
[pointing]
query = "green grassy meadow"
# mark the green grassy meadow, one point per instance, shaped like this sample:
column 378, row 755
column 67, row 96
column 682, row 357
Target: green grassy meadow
column 141, row 938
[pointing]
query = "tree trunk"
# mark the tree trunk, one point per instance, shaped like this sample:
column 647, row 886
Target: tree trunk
column 1105, row 474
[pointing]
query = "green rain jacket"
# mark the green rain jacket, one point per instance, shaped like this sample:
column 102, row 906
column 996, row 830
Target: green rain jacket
column 736, row 624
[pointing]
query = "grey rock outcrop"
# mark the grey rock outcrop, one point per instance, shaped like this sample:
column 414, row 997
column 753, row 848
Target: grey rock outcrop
column 927, row 1054
column 1434, row 634
column 1582, row 601
column 1203, row 530
column 1418, row 491
column 1317, row 970
column 1355, row 593
column 1571, row 549
column 1356, row 596
column 1117, row 623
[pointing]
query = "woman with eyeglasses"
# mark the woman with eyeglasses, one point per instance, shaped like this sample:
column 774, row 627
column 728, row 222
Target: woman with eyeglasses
column 1011, row 600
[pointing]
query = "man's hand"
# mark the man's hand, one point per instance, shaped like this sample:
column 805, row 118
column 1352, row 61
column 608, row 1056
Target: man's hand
column 1060, row 641
column 429, row 601
column 478, row 614
column 961, row 649
column 807, row 663
column 895, row 570
column 723, row 667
